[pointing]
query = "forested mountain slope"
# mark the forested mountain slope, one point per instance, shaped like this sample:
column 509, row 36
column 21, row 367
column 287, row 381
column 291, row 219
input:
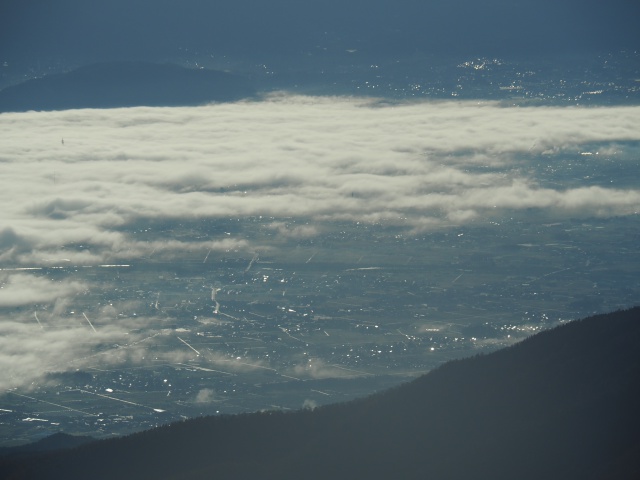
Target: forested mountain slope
column 562, row 404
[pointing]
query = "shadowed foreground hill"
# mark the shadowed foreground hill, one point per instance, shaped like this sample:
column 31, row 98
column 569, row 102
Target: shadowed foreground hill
column 562, row 404
column 57, row 441
column 124, row 84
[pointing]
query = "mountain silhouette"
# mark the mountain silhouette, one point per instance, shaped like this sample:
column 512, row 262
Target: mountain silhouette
column 562, row 404
column 124, row 84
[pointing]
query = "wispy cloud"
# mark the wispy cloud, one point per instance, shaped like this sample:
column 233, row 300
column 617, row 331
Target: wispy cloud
column 34, row 344
column 23, row 289
column 205, row 395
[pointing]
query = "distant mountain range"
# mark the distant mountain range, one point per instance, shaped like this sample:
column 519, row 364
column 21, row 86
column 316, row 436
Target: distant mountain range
column 562, row 404
column 124, row 84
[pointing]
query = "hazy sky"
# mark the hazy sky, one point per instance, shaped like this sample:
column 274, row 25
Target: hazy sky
column 316, row 159
column 155, row 29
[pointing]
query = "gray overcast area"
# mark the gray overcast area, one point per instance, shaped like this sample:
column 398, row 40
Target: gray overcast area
column 312, row 244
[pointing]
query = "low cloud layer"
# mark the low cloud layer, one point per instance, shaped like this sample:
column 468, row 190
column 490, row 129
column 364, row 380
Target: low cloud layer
column 76, row 183
column 34, row 344
column 320, row 159
column 22, row 289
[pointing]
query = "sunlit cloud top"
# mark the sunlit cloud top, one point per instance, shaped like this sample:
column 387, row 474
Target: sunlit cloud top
column 77, row 177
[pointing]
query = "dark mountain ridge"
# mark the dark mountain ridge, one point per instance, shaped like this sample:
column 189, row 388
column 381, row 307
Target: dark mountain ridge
column 125, row 84
column 559, row 405
column 57, row 441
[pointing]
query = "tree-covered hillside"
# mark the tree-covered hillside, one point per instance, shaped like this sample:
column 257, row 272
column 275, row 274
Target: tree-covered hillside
column 559, row 405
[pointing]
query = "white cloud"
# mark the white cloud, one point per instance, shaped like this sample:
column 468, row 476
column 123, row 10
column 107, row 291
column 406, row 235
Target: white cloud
column 32, row 345
column 205, row 395
column 24, row 289
column 309, row 404
column 294, row 231
column 323, row 158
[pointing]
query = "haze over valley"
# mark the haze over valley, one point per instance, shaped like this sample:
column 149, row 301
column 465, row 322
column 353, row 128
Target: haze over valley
column 325, row 223
column 169, row 262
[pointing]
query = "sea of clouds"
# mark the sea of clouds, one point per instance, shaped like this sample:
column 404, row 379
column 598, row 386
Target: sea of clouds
column 86, row 177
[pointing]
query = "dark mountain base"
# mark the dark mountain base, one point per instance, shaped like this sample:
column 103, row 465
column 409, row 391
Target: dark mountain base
column 559, row 405
column 57, row 441
column 124, row 84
